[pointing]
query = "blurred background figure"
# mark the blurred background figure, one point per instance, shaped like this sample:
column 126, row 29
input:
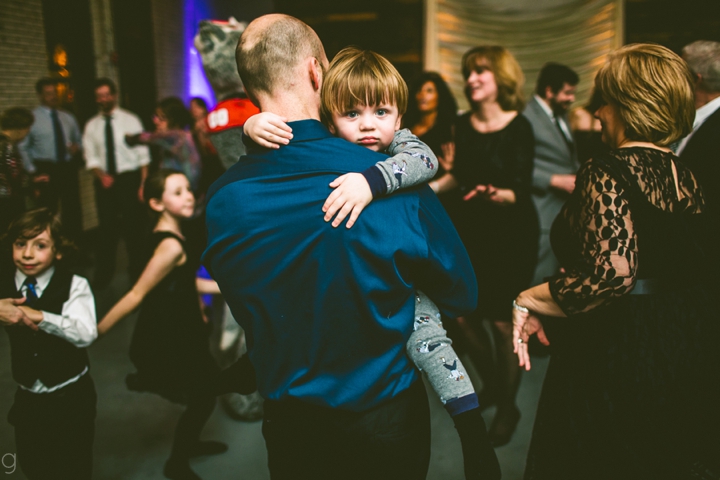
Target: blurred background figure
column 586, row 129
column 175, row 141
column 52, row 149
column 120, row 171
column 701, row 148
column 15, row 124
column 493, row 168
column 555, row 154
column 212, row 168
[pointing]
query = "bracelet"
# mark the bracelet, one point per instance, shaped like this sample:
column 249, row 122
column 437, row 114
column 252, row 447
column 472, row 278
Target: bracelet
column 520, row 308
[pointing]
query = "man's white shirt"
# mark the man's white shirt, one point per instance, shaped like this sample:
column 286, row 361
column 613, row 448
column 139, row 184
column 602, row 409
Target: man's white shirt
column 127, row 158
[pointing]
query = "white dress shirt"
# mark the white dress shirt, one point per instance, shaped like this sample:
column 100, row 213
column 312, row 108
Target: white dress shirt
column 127, row 158
column 76, row 324
column 563, row 126
column 40, row 142
column 701, row 114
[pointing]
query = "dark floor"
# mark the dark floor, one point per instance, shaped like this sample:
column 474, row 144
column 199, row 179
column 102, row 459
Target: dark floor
column 134, row 430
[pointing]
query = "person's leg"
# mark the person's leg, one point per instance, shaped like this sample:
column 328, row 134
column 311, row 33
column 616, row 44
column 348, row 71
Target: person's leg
column 186, row 442
column 133, row 220
column 470, row 337
column 69, row 194
column 107, row 238
column 509, row 375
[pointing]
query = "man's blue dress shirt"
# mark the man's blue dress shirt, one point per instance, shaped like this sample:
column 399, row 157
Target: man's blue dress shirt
column 327, row 311
column 40, row 142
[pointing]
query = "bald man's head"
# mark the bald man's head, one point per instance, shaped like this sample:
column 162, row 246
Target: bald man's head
column 270, row 50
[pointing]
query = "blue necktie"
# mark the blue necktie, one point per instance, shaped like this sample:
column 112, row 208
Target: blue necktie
column 60, row 149
column 31, row 291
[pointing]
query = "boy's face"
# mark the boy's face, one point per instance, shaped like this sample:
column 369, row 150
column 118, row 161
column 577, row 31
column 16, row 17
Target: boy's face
column 373, row 127
column 35, row 255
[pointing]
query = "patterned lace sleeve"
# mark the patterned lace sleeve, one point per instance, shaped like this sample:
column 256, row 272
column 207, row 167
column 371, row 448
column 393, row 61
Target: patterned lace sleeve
column 600, row 216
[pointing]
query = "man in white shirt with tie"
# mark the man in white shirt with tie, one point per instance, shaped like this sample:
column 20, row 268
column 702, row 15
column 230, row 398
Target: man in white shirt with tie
column 120, row 172
column 555, row 161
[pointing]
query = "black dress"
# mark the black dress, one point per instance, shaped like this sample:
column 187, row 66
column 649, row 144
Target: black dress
column 170, row 346
column 631, row 391
column 502, row 240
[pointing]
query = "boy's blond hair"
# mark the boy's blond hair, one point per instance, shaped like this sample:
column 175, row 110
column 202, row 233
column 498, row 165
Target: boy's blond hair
column 361, row 77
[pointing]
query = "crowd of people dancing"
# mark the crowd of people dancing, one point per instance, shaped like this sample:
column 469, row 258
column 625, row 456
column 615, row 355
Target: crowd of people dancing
column 371, row 233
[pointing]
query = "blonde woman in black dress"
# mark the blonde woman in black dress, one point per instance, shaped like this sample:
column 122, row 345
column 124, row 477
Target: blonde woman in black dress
column 631, row 389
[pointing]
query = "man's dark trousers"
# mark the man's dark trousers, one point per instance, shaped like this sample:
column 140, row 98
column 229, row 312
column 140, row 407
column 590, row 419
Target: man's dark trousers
column 389, row 441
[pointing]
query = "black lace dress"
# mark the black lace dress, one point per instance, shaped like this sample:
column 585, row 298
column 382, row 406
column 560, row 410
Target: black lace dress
column 170, row 346
column 502, row 240
column 631, row 391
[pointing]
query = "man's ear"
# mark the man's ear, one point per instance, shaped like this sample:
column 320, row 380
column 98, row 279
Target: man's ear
column 331, row 127
column 316, row 73
column 549, row 92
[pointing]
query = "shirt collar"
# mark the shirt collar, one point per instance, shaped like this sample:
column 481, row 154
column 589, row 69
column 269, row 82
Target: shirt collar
column 545, row 107
column 302, row 130
column 705, row 111
column 42, row 280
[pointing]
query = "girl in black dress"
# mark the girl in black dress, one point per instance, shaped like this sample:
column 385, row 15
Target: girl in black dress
column 493, row 167
column 631, row 391
column 170, row 346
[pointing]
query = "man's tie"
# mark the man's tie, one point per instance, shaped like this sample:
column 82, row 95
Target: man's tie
column 568, row 141
column 111, row 166
column 31, row 291
column 60, row 149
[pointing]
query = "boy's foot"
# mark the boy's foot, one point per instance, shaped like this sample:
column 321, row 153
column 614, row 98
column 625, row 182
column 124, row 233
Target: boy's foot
column 503, row 426
column 179, row 470
column 209, row 447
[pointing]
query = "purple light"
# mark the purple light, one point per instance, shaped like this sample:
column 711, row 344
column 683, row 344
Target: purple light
column 197, row 84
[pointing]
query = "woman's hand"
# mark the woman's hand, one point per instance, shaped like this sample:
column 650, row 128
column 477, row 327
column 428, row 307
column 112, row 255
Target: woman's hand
column 268, row 130
column 526, row 324
column 448, row 156
column 499, row 196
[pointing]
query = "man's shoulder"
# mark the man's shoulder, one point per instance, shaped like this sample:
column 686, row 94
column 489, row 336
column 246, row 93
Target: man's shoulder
column 532, row 109
column 121, row 112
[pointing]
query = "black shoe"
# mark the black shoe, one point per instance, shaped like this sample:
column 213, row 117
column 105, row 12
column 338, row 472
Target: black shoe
column 209, row 447
column 179, row 470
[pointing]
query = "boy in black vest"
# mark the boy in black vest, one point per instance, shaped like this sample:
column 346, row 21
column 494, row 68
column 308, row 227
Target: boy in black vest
column 54, row 409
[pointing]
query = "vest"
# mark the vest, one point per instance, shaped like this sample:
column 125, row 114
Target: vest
column 39, row 355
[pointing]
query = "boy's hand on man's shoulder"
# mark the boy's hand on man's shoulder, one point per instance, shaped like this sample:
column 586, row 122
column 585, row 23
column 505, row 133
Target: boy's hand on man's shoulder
column 351, row 195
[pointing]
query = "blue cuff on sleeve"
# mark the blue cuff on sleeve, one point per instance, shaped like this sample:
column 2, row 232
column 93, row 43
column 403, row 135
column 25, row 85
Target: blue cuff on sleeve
column 375, row 179
column 462, row 404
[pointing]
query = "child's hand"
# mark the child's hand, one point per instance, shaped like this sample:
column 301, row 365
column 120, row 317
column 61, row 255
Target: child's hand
column 352, row 194
column 268, row 130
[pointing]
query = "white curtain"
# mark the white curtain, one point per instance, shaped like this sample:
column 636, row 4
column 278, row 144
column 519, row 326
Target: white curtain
column 578, row 34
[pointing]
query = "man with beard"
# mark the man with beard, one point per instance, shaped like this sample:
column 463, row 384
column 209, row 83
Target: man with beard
column 120, row 172
column 555, row 161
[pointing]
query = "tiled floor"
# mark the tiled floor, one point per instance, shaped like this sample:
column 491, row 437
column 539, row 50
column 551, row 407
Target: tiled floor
column 134, row 430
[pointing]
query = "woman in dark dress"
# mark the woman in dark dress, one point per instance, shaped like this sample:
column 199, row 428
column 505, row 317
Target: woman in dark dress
column 493, row 170
column 170, row 346
column 631, row 391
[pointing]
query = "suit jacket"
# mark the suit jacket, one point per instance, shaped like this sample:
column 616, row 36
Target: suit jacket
column 552, row 156
column 702, row 156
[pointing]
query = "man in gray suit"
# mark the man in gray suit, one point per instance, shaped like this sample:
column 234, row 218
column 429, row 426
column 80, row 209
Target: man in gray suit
column 555, row 156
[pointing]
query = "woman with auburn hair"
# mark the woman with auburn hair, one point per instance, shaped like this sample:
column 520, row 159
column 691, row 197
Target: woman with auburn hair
column 631, row 391
column 494, row 149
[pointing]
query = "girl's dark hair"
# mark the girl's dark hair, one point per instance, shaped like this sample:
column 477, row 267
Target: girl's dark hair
column 31, row 224
column 175, row 112
column 16, row 118
column 447, row 106
column 155, row 186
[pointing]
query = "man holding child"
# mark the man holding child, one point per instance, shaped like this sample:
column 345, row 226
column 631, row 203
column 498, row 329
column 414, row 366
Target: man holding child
column 327, row 311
